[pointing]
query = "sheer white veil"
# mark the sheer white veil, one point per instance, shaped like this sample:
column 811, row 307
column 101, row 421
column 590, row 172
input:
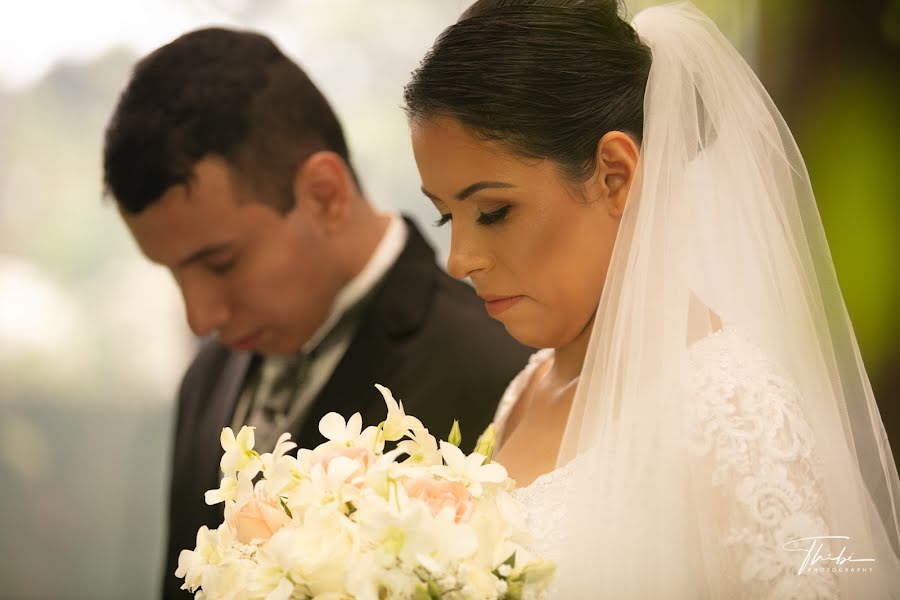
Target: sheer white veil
column 721, row 229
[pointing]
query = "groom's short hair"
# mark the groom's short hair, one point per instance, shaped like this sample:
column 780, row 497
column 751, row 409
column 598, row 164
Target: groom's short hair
column 220, row 92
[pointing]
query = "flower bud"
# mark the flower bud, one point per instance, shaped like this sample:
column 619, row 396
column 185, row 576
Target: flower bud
column 486, row 441
column 455, row 436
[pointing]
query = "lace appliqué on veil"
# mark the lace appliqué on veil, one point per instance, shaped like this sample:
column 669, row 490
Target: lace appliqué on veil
column 755, row 448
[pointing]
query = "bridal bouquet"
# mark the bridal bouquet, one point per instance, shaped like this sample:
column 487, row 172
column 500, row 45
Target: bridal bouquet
column 349, row 520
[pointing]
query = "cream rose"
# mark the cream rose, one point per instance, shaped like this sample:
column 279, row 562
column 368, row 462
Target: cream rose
column 439, row 494
column 258, row 520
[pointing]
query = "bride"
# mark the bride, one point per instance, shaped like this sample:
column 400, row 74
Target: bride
column 626, row 196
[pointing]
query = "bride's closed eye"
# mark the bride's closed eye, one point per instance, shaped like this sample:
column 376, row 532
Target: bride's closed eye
column 493, row 217
column 484, row 218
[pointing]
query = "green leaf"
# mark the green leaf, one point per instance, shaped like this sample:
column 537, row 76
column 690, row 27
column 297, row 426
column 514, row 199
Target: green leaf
column 535, row 576
column 427, row 590
column 511, row 561
column 285, row 507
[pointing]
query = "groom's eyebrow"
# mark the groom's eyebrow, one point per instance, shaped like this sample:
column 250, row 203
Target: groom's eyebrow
column 203, row 253
column 471, row 189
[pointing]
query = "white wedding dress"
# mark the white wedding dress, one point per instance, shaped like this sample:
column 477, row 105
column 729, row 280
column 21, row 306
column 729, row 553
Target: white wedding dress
column 748, row 436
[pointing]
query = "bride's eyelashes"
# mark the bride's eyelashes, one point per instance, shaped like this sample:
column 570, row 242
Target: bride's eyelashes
column 443, row 219
column 484, row 218
column 493, row 217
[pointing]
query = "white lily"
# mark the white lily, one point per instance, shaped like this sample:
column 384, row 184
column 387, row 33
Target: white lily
column 398, row 423
column 470, row 469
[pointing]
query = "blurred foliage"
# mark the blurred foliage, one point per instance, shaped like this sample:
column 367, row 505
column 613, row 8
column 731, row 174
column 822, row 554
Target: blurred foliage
column 832, row 68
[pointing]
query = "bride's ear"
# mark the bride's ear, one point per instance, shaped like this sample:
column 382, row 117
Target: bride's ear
column 617, row 158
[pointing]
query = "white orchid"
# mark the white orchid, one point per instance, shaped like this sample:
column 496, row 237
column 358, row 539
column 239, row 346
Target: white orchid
column 340, row 432
column 375, row 576
column 233, row 489
column 371, row 438
column 470, row 469
column 282, row 472
column 398, row 423
column 282, row 447
column 199, row 566
column 412, row 531
column 421, row 447
column 331, row 487
column 315, row 555
column 227, row 490
column 239, row 453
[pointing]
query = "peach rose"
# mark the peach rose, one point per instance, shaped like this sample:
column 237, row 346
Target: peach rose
column 439, row 494
column 363, row 456
column 258, row 520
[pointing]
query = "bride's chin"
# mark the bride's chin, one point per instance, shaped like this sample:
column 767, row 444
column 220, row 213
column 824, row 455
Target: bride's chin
column 530, row 334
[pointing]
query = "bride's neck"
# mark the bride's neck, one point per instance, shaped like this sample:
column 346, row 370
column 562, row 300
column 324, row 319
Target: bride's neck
column 568, row 359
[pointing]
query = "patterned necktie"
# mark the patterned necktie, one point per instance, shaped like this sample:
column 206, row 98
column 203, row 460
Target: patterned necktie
column 279, row 381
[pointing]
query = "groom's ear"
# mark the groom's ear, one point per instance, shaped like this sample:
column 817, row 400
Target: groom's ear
column 617, row 158
column 322, row 183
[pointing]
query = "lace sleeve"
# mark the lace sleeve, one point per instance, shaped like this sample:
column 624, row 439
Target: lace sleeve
column 752, row 445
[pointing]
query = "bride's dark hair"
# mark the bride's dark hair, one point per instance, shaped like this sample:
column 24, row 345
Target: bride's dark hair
column 544, row 78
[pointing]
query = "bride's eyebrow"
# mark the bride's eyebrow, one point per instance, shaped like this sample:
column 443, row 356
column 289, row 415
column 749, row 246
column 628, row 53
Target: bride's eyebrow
column 471, row 189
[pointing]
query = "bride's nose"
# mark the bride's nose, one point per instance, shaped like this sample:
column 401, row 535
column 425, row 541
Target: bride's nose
column 466, row 255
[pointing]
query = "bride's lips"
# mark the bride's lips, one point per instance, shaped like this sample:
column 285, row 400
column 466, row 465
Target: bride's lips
column 497, row 305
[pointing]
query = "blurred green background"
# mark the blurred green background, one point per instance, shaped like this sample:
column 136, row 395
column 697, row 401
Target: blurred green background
column 93, row 340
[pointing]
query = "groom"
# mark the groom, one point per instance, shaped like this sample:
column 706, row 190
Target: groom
column 230, row 169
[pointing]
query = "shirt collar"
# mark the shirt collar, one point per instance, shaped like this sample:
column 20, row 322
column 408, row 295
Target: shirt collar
column 384, row 256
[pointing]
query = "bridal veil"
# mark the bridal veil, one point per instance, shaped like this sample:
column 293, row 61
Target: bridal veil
column 723, row 426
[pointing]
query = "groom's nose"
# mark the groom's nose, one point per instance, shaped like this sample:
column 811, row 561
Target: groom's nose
column 205, row 305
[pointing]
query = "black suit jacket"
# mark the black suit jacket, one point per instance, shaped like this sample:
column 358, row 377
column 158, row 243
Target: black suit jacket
column 424, row 335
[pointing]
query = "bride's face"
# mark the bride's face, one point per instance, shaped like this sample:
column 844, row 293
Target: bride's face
column 535, row 246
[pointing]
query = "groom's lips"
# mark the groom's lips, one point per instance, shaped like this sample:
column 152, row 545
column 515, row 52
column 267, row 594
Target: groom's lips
column 497, row 305
column 245, row 343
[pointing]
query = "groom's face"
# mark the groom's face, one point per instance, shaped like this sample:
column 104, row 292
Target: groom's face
column 261, row 280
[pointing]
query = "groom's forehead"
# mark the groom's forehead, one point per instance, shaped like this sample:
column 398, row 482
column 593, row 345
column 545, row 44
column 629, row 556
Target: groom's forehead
column 189, row 220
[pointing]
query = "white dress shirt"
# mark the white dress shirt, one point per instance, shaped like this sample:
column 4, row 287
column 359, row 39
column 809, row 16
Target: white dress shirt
column 321, row 354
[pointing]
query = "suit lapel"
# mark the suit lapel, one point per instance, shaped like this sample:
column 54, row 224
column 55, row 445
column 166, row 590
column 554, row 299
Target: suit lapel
column 370, row 359
column 220, row 409
column 397, row 311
